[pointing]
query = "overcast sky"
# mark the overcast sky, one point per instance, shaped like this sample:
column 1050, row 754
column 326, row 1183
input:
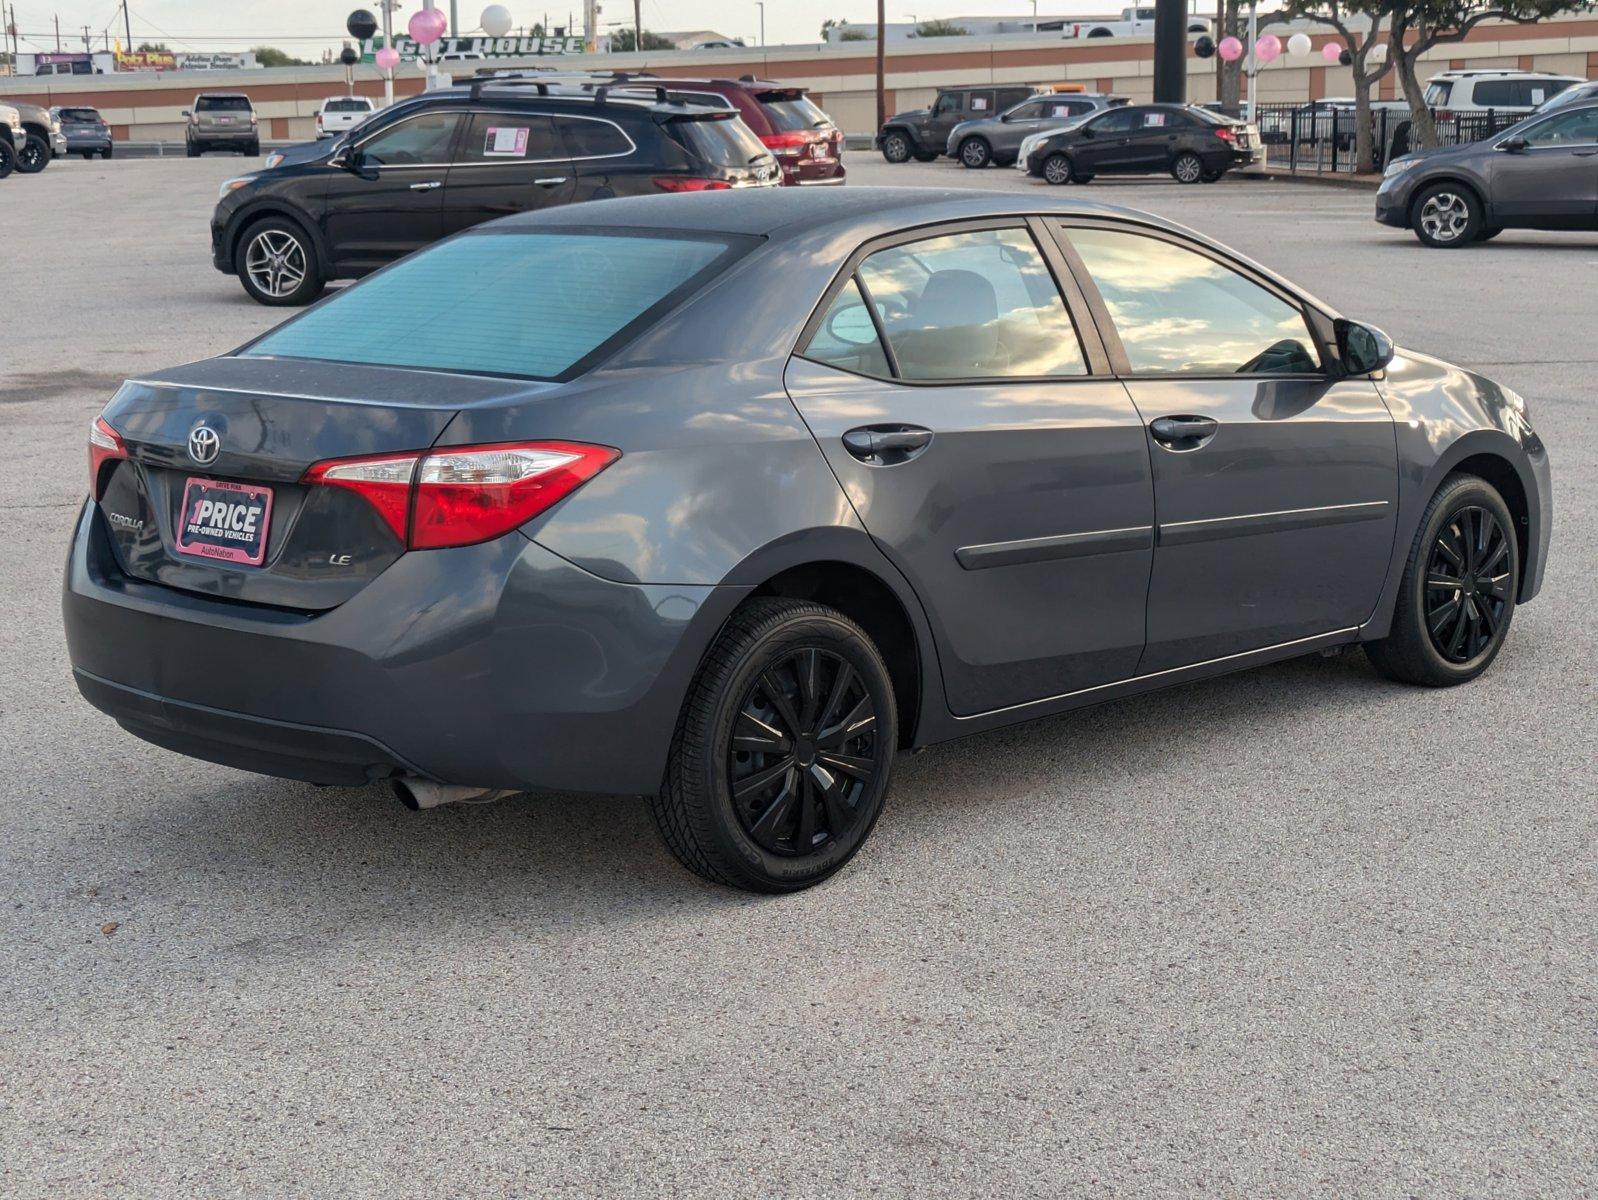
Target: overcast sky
column 306, row 26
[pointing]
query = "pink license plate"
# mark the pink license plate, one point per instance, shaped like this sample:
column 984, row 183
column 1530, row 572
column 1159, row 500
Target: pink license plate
column 224, row 521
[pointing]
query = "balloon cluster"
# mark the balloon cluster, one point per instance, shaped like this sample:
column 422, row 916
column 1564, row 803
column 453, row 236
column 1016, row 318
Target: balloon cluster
column 1269, row 47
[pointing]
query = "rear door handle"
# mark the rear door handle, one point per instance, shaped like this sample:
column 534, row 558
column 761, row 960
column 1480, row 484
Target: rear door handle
column 886, row 445
column 1183, row 432
column 550, row 182
column 427, row 187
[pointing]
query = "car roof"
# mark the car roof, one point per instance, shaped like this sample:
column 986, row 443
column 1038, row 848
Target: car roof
column 1487, row 72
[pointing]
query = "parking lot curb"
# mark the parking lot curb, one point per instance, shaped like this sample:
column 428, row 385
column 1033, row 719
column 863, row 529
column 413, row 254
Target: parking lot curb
column 1358, row 183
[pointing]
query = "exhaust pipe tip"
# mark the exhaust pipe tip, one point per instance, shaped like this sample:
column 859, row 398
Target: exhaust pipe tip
column 416, row 793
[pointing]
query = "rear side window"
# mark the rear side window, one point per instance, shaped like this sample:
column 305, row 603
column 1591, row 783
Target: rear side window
column 1181, row 312
column 530, row 305
column 592, row 139
column 847, row 336
column 503, row 137
column 789, row 113
column 720, row 143
column 222, row 104
column 1499, row 93
column 978, row 305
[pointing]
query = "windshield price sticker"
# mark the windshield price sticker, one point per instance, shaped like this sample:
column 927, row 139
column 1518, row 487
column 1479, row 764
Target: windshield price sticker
column 506, row 141
column 1153, row 120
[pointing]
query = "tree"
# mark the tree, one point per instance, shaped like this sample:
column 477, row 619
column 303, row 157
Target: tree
column 941, row 29
column 1419, row 25
column 271, row 56
column 1359, row 44
column 153, row 48
column 855, row 35
column 1229, row 89
column 624, row 41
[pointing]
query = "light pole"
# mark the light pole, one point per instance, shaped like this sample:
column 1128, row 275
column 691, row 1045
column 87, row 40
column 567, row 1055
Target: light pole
column 761, row 5
column 1034, row 16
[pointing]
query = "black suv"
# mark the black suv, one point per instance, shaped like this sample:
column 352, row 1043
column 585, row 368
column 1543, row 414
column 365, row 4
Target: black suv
column 453, row 158
column 923, row 133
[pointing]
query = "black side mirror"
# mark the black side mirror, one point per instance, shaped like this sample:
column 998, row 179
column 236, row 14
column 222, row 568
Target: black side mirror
column 1363, row 349
column 353, row 161
column 1515, row 145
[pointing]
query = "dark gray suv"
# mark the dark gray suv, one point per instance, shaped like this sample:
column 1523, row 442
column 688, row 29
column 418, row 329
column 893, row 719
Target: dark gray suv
column 923, row 133
column 727, row 498
column 1539, row 174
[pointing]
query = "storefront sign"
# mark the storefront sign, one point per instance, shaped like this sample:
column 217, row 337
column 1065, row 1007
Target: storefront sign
column 479, row 47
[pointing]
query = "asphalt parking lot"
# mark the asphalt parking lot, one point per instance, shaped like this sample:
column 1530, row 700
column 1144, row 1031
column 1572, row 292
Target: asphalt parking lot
column 1293, row 932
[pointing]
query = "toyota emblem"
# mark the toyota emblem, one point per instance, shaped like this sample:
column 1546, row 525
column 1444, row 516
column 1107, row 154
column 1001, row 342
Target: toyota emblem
column 204, row 445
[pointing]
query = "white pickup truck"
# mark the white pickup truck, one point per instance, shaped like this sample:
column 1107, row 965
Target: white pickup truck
column 1133, row 22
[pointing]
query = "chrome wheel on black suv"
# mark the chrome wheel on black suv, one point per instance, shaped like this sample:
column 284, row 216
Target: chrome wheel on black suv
column 278, row 263
column 782, row 756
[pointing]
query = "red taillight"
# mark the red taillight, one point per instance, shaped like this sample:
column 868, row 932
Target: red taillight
column 254, row 120
column 466, row 494
column 688, row 183
column 1225, row 133
column 787, row 145
column 104, row 446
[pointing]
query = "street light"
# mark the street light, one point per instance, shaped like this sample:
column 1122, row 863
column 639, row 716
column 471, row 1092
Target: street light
column 761, row 5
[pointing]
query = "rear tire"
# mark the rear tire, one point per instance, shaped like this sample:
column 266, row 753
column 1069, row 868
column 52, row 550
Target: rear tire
column 34, row 156
column 277, row 263
column 1057, row 169
column 106, row 153
column 783, row 752
column 1487, row 235
column 1446, row 216
column 1212, row 176
column 975, row 153
column 1444, row 635
column 194, row 151
column 896, row 146
column 88, row 155
column 925, row 155
column 1187, row 168
column 8, row 157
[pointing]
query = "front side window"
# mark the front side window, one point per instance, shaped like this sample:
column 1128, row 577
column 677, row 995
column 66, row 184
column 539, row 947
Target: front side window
column 947, row 103
column 1119, row 120
column 978, row 305
column 1579, row 128
column 530, row 305
column 422, row 140
column 1181, row 312
column 506, row 137
column 1025, row 112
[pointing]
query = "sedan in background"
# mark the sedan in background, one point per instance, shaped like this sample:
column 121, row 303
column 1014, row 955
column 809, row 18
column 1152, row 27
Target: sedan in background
column 729, row 499
column 1539, row 174
column 999, row 139
column 1190, row 143
column 85, row 130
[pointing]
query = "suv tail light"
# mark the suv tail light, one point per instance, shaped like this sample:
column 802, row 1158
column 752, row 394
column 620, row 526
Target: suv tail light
column 465, row 494
column 786, row 145
column 105, row 445
column 690, row 183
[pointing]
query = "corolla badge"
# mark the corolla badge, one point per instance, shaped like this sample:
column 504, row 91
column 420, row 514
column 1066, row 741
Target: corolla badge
column 204, row 445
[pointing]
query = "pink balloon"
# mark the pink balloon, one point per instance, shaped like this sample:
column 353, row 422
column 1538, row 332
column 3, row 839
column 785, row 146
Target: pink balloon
column 387, row 58
column 1268, row 48
column 427, row 26
column 1230, row 49
column 1331, row 52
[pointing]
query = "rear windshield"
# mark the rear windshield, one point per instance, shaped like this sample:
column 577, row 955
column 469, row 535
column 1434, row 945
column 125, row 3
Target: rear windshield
column 721, row 142
column 347, row 106
column 791, row 113
column 1437, row 94
column 528, row 305
column 222, row 104
column 80, row 114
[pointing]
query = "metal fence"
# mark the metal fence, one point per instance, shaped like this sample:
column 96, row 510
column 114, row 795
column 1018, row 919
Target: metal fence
column 1321, row 137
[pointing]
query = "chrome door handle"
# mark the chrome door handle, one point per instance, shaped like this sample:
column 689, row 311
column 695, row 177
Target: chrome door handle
column 550, row 182
column 427, row 187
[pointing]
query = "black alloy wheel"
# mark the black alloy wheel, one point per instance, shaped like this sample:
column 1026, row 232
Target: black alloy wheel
column 803, row 752
column 1457, row 594
column 34, row 156
column 783, row 753
column 8, row 156
column 1468, row 584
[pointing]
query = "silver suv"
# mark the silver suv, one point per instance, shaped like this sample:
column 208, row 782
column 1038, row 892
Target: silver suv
column 222, row 121
column 1500, row 91
column 997, row 139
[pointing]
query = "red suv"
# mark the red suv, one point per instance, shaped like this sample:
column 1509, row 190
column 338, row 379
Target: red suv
column 805, row 141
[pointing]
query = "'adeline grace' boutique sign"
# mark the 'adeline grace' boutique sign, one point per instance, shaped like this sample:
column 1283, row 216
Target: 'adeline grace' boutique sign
column 488, row 47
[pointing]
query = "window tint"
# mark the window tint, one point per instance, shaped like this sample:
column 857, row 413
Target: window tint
column 80, row 114
column 981, row 103
column 503, row 137
column 1501, row 93
column 972, row 305
column 947, row 103
column 421, row 139
column 720, row 143
column 1579, row 128
column 1008, row 97
column 592, row 139
column 847, row 337
column 1026, row 112
column 1180, row 311
column 347, row 104
column 222, row 104
column 792, row 114
column 523, row 304
column 1119, row 120
column 1438, row 93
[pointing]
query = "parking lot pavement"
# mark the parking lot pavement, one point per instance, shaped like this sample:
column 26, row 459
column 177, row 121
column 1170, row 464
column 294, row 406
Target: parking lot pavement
column 1292, row 932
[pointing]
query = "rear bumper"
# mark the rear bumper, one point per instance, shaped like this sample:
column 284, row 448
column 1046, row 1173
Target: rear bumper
column 500, row 665
column 231, row 137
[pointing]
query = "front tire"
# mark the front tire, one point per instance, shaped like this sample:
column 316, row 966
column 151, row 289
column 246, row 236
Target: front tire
column 1446, row 216
column 783, row 752
column 1487, row 235
column 194, row 151
column 35, row 156
column 1057, row 169
column 1187, row 168
column 1457, row 595
column 278, row 265
column 975, row 153
column 896, row 147
column 106, row 153
column 8, row 157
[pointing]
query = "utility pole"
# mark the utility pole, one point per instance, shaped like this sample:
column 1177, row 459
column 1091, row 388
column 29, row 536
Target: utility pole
column 882, row 94
column 454, row 19
column 58, row 33
column 388, row 7
column 127, row 28
column 638, row 26
column 1170, row 51
column 88, row 46
column 761, row 5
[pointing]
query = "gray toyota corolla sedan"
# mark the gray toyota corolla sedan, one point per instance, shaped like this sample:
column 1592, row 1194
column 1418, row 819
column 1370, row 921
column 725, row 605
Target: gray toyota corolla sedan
column 727, row 499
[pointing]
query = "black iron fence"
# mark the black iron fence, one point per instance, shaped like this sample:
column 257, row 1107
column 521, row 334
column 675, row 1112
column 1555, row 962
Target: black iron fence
column 1321, row 137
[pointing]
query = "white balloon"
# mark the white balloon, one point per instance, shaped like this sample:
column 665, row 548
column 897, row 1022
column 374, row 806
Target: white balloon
column 496, row 20
column 1378, row 54
column 1299, row 45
